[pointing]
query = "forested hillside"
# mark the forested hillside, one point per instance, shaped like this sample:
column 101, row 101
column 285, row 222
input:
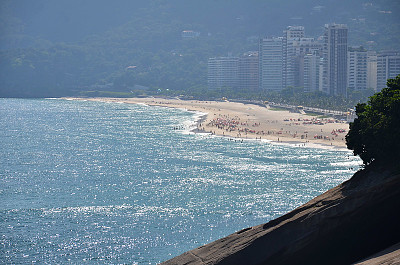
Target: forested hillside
column 54, row 48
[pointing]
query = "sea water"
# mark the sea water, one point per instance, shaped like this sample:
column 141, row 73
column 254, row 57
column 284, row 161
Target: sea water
column 92, row 182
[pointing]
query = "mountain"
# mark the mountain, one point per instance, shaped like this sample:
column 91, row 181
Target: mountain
column 54, row 48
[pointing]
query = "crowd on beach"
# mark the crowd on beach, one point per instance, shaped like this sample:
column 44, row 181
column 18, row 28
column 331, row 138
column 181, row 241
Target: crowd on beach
column 243, row 128
column 315, row 121
column 234, row 124
column 239, row 121
column 296, row 129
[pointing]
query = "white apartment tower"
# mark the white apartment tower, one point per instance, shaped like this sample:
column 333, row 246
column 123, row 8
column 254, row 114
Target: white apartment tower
column 388, row 66
column 309, row 72
column 357, row 68
column 306, row 49
column 271, row 64
column 371, row 69
column 335, row 60
column 290, row 37
column 223, row 72
column 248, row 72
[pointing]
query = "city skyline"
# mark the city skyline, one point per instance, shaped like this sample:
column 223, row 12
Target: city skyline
column 327, row 64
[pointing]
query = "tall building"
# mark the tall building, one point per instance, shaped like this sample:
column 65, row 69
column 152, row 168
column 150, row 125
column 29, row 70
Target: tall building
column 248, row 72
column 357, row 68
column 335, row 60
column 306, row 49
column 307, row 45
column 309, row 71
column 388, row 66
column 371, row 70
column 290, row 37
column 271, row 64
column 223, row 72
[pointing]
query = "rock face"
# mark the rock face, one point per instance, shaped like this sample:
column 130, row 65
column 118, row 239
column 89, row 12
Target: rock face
column 344, row 225
column 389, row 256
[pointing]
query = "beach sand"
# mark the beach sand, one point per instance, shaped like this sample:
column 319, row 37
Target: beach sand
column 248, row 121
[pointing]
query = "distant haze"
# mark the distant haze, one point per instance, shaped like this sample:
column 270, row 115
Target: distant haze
column 52, row 48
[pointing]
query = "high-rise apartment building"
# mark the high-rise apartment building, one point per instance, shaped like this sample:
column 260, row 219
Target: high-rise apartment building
column 372, row 70
column 388, row 66
column 306, row 49
column 271, row 64
column 357, row 68
column 223, row 72
column 248, row 72
column 291, row 36
column 335, row 60
column 309, row 71
column 307, row 45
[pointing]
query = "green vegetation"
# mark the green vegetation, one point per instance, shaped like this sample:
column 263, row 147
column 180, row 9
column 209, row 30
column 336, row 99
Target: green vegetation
column 375, row 133
column 317, row 99
column 319, row 116
column 276, row 109
column 109, row 94
column 60, row 48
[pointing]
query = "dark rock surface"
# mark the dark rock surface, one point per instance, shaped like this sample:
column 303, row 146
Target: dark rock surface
column 388, row 256
column 344, row 225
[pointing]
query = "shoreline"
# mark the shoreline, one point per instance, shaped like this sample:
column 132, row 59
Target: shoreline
column 241, row 121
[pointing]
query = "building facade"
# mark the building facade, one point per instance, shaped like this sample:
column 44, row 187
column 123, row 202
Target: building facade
column 223, row 72
column 291, row 36
column 271, row 64
column 372, row 70
column 335, row 60
column 248, row 72
column 309, row 72
column 388, row 66
column 357, row 68
column 306, row 51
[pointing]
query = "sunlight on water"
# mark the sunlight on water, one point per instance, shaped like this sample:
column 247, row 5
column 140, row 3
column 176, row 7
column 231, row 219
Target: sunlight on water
column 89, row 182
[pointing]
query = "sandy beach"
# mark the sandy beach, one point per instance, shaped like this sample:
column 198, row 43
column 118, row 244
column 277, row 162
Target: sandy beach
column 248, row 121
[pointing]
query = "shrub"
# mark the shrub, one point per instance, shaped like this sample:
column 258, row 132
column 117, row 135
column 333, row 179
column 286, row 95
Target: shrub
column 375, row 133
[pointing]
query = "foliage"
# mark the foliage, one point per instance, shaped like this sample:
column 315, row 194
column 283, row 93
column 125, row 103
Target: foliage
column 375, row 133
column 317, row 99
column 107, row 94
column 55, row 48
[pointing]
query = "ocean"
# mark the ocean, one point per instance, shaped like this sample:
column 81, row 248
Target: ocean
column 98, row 183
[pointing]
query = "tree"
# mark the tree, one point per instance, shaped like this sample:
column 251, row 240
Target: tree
column 375, row 133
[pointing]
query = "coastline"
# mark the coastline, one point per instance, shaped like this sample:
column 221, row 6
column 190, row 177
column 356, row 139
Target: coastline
column 247, row 121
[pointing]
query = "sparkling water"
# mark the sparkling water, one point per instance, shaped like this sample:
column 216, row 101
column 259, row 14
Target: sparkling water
column 92, row 182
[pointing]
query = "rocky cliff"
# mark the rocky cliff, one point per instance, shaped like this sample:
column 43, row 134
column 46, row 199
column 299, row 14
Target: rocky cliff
column 344, row 225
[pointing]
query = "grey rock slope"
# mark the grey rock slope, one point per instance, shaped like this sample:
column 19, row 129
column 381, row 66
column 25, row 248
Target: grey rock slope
column 344, row 225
